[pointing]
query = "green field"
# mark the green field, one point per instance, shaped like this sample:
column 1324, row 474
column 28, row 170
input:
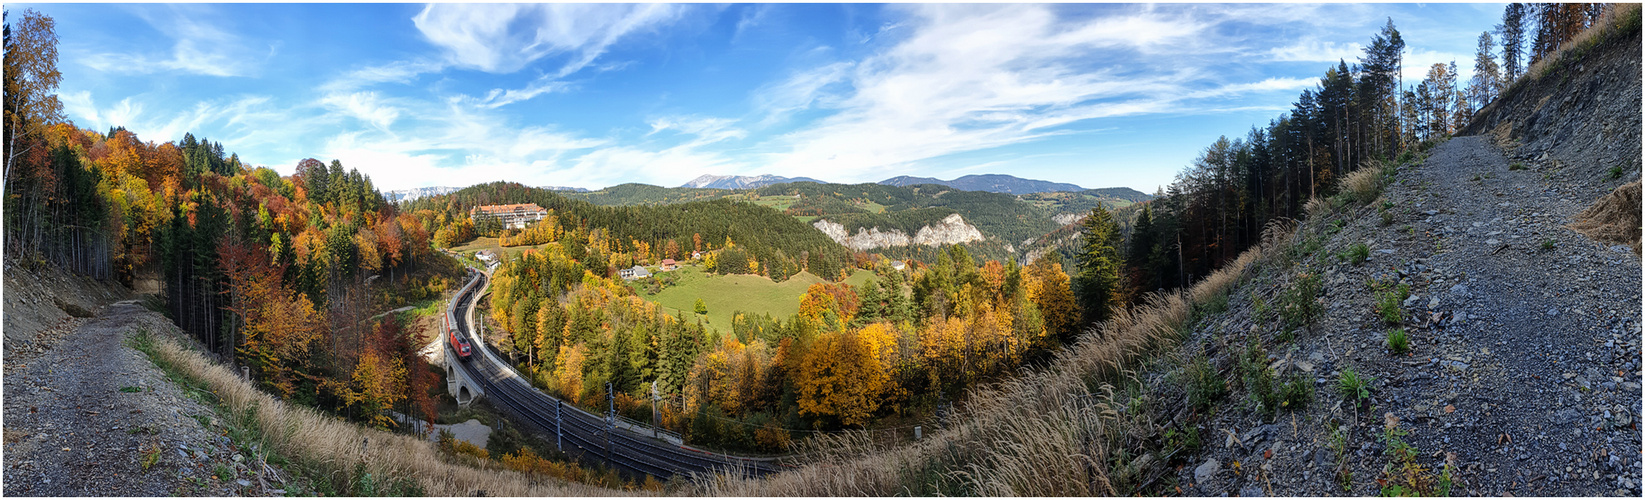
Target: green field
column 727, row 294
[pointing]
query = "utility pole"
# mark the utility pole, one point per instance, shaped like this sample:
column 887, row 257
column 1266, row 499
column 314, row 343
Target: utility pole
column 610, row 419
column 656, row 418
column 558, row 433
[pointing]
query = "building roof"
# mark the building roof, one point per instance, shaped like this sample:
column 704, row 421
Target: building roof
column 667, row 261
column 518, row 208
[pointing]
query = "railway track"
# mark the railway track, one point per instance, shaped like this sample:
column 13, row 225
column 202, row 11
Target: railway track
column 579, row 432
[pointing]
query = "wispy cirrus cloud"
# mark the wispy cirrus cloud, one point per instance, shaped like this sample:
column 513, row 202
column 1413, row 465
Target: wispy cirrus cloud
column 502, row 38
column 198, row 46
column 974, row 77
column 1317, row 51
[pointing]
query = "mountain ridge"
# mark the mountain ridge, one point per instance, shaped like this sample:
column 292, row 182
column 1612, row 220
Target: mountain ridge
column 998, row 183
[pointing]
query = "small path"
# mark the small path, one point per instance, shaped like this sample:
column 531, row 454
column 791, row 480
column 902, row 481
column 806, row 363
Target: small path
column 81, row 417
column 1543, row 327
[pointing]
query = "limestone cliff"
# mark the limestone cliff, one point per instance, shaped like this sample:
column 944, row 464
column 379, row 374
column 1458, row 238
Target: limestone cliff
column 952, row 229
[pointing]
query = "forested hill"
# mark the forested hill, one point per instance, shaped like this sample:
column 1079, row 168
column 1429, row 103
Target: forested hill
column 779, row 246
column 645, row 194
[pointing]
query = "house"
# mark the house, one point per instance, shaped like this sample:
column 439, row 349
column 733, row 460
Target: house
column 515, row 216
column 486, row 256
column 696, row 256
column 669, row 265
column 634, row 273
column 898, row 265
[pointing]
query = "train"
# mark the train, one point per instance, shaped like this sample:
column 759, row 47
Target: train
column 459, row 344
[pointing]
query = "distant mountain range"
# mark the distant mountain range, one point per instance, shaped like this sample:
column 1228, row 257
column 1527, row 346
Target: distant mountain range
column 564, row 188
column 996, row 183
column 399, row 195
column 743, row 181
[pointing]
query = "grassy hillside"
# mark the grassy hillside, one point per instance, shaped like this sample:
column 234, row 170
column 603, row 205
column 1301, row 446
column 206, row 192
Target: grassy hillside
column 726, row 294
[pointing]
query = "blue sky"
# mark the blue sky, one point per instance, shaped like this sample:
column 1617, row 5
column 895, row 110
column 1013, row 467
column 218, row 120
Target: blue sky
column 592, row 95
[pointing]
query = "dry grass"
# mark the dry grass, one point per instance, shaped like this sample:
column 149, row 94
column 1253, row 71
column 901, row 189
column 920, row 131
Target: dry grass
column 1614, row 218
column 339, row 447
column 1049, row 432
column 1317, row 207
column 1363, row 185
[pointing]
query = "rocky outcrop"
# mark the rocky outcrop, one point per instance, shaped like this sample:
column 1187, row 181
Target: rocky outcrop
column 1580, row 116
column 952, row 229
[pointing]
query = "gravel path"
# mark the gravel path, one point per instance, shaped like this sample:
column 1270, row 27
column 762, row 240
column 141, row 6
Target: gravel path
column 1544, row 322
column 82, row 416
column 1524, row 361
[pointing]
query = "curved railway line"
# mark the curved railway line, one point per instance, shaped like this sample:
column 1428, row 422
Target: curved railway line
column 578, row 432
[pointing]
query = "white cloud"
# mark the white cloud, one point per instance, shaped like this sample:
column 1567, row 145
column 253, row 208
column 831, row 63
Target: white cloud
column 1419, row 61
column 502, row 38
column 365, row 106
column 707, row 130
column 1272, row 84
column 198, row 47
column 500, row 97
column 974, row 77
column 1318, row 51
column 393, row 72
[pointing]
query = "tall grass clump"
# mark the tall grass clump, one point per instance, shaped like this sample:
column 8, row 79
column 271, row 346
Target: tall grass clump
column 1364, row 185
column 1060, row 430
column 350, row 458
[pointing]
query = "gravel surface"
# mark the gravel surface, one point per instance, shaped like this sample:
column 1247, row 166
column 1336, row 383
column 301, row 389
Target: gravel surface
column 84, row 414
column 1524, row 362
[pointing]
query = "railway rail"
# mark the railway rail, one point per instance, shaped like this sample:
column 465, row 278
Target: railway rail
column 576, row 431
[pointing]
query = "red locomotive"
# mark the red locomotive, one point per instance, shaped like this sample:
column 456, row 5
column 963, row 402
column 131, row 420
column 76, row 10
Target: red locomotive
column 458, row 344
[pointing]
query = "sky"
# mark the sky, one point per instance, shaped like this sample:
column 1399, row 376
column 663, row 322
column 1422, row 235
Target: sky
column 593, row 95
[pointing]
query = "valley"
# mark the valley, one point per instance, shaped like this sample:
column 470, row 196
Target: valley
column 1396, row 286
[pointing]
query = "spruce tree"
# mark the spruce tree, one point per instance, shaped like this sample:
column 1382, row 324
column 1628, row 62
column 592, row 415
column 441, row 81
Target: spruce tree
column 1099, row 259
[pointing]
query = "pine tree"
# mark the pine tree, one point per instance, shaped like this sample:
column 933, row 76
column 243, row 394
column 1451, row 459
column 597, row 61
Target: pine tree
column 1099, row 260
column 1512, row 31
column 1487, row 81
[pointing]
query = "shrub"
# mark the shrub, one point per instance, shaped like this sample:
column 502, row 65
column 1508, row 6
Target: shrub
column 1357, row 253
column 1398, row 342
column 1298, row 304
column 1297, row 393
column 1204, row 386
column 1615, row 172
column 1389, row 301
column 1353, row 386
column 1517, row 166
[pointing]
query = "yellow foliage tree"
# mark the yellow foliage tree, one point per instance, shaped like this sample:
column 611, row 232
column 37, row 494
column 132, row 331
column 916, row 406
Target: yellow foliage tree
column 1048, row 289
column 840, row 378
column 378, row 382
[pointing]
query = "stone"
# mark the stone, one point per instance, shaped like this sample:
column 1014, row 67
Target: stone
column 1207, row 470
column 1251, row 491
column 1305, row 366
column 1459, row 290
column 1553, row 311
column 1412, row 300
column 1493, row 242
column 1322, row 458
column 1433, row 303
column 243, row 483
